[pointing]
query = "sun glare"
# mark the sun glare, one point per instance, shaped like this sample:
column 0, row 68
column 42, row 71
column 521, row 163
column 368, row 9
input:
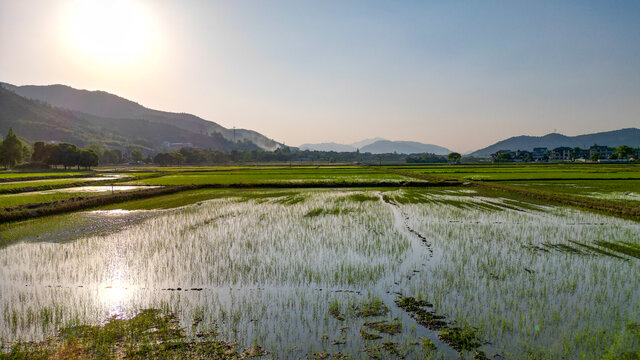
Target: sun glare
column 109, row 32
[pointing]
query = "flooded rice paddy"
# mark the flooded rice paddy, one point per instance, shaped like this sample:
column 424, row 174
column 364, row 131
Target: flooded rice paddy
column 401, row 273
column 86, row 189
column 64, row 180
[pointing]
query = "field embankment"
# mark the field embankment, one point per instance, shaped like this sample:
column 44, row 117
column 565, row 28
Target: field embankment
column 30, row 211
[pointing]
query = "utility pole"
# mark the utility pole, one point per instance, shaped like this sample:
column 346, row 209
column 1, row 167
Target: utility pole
column 234, row 134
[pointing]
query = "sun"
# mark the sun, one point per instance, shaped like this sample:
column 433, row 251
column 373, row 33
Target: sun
column 111, row 32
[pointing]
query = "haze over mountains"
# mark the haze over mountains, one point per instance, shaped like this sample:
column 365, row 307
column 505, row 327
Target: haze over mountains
column 117, row 114
column 379, row 146
column 62, row 113
column 630, row 137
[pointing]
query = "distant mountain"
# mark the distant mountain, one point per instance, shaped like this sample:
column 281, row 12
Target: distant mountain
column 379, row 146
column 365, row 142
column 403, row 147
column 330, row 146
column 34, row 120
column 630, row 136
column 105, row 105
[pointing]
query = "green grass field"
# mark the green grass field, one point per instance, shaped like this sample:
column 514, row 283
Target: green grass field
column 47, row 196
column 11, row 175
column 596, row 182
column 537, row 240
column 270, row 175
column 29, row 198
column 514, row 172
column 51, row 182
column 621, row 190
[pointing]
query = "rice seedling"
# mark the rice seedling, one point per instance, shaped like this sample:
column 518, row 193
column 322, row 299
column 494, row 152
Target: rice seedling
column 524, row 301
column 305, row 273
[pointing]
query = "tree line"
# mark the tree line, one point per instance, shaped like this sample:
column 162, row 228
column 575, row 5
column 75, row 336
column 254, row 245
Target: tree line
column 64, row 154
column 286, row 154
column 13, row 152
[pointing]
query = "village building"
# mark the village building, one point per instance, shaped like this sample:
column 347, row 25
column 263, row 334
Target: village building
column 603, row 152
column 540, row 154
column 562, row 153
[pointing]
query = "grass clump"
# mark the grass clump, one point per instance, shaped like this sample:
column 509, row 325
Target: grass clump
column 386, row 327
column 371, row 307
column 627, row 248
column 424, row 317
column 334, row 310
column 315, row 212
column 463, row 338
column 362, row 197
column 320, row 211
column 147, row 335
column 385, row 351
column 291, row 200
column 428, row 345
column 369, row 336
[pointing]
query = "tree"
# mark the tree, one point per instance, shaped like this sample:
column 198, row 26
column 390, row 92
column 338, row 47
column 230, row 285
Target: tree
column 454, row 157
column 97, row 148
column 136, row 155
column 502, row 157
column 425, row 158
column 26, row 153
column 624, row 151
column 111, row 156
column 11, row 150
column 38, row 152
column 67, row 155
column 574, row 153
column 174, row 158
column 87, row 158
column 595, row 156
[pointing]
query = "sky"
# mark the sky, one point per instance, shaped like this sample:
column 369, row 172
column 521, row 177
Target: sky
column 459, row 74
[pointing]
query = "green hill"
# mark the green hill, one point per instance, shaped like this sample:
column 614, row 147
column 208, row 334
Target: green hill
column 35, row 120
column 105, row 105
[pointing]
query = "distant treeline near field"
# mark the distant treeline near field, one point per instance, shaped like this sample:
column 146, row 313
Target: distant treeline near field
column 285, row 154
column 46, row 154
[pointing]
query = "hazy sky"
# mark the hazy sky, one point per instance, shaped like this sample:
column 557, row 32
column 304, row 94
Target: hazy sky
column 461, row 74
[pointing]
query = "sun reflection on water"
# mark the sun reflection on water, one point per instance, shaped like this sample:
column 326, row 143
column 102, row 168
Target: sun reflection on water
column 114, row 292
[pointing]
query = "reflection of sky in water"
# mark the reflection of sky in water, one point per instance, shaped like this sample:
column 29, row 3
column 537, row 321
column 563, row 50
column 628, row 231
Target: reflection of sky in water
column 267, row 273
column 78, row 179
column 85, row 189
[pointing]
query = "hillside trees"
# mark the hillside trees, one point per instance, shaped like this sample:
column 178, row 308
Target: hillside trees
column 111, row 156
column 67, row 155
column 136, row 155
column 87, row 158
column 425, row 158
column 11, row 150
column 106, row 156
column 173, row 158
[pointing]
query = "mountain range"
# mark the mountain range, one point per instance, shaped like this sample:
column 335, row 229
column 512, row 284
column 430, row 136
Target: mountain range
column 123, row 121
column 379, row 146
column 61, row 113
column 629, row 136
